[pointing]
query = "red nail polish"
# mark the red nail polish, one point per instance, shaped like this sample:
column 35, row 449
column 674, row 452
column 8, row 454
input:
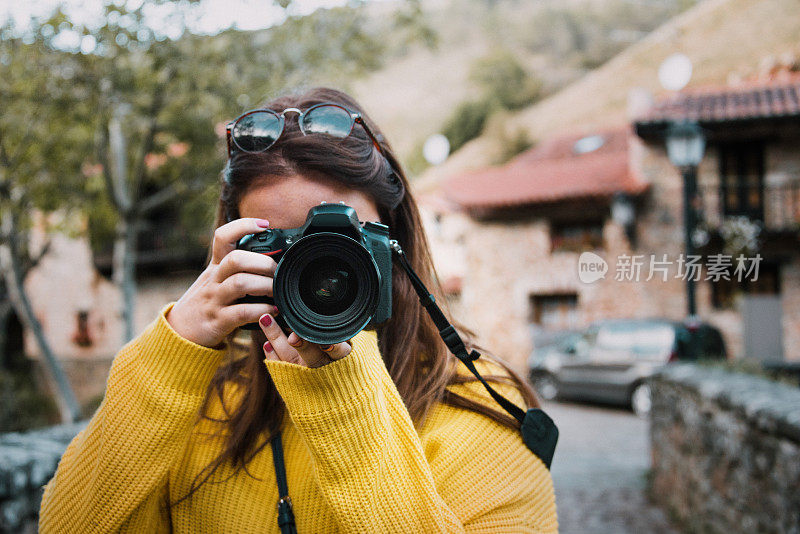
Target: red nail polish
column 267, row 347
column 263, row 223
column 326, row 348
column 266, row 320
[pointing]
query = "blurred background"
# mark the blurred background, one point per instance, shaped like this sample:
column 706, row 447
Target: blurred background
column 639, row 132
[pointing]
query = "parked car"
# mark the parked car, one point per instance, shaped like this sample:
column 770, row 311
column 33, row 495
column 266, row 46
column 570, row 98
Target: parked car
column 612, row 360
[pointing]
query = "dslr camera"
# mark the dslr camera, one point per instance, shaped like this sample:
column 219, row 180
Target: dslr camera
column 334, row 274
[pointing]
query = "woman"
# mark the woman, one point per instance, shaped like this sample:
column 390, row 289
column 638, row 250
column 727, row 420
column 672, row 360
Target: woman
column 384, row 433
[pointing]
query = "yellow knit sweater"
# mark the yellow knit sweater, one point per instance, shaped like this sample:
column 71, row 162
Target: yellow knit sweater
column 354, row 460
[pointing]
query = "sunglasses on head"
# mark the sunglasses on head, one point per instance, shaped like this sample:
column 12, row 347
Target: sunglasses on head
column 259, row 129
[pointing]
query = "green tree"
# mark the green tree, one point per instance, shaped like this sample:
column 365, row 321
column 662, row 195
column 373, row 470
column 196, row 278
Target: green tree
column 41, row 143
column 501, row 76
column 504, row 85
column 155, row 102
column 156, row 105
column 467, row 122
column 152, row 95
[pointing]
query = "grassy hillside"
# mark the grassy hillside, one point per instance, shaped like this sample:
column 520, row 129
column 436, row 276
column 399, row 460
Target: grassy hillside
column 556, row 41
column 724, row 39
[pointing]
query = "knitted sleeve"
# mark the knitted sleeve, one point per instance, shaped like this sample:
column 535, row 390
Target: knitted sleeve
column 472, row 475
column 113, row 475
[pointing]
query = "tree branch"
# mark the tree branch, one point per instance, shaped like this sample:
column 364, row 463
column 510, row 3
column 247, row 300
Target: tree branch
column 14, row 281
column 166, row 194
column 29, row 261
column 159, row 198
column 102, row 155
column 157, row 104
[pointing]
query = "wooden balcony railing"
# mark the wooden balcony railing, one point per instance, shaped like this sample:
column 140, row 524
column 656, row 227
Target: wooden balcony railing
column 776, row 207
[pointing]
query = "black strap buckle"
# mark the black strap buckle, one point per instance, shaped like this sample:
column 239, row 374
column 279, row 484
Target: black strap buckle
column 286, row 515
column 285, row 512
column 284, row 503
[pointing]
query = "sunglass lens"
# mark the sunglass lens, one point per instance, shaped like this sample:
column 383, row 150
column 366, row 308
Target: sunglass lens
column 257, row 131
column 331, row 120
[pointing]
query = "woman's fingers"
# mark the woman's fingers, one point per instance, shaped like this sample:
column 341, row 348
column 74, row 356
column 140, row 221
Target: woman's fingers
column 203, row 314
column 238, row 285
column 294, row 349
column 309, row 352
column 239, row 314
column 245, row 261
column 337, row 351
column 277, row 346
column 228, row 235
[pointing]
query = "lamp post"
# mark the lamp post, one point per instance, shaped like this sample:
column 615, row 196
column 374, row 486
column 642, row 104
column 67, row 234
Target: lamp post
column 686, row 144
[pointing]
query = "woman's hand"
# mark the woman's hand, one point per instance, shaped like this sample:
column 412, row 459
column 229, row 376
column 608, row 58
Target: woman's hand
column 294, row 349
column 208, row 312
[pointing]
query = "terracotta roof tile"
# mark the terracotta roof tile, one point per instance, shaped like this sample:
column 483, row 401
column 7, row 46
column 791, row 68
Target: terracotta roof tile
column 752, row 100
column 551, row 172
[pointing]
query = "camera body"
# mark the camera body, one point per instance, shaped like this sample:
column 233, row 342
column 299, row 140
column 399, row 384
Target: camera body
column 334, row 274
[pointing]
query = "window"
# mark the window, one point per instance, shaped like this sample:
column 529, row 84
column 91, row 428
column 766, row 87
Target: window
column 554, row 312
column 588, row 144
column 576, row 237
column 641, row 339
column 741, row 171
column 81, row 335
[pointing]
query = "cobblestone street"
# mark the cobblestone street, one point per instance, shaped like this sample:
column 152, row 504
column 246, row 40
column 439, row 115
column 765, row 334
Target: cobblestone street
column 600, row 470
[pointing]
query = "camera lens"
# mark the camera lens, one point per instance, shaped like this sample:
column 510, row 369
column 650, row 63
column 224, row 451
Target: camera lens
column 327, row 287
column 324, row 286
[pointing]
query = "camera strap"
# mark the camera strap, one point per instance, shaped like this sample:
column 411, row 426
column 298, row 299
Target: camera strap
column 285, row 514
column 539, row 432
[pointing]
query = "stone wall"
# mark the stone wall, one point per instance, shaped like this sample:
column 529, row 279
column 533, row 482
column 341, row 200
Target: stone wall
column 27, row 461
column 726, row 450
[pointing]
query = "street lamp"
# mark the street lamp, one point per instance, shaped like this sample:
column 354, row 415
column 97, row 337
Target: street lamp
column 686, row 144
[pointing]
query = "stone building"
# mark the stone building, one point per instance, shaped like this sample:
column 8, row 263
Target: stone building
column 79, row 306
column 614, row 193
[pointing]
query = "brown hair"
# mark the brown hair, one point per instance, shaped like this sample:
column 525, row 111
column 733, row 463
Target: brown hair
column 415, row 356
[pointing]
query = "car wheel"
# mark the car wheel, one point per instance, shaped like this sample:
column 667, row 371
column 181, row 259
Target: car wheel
column 546, row 386
column 641, row 403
